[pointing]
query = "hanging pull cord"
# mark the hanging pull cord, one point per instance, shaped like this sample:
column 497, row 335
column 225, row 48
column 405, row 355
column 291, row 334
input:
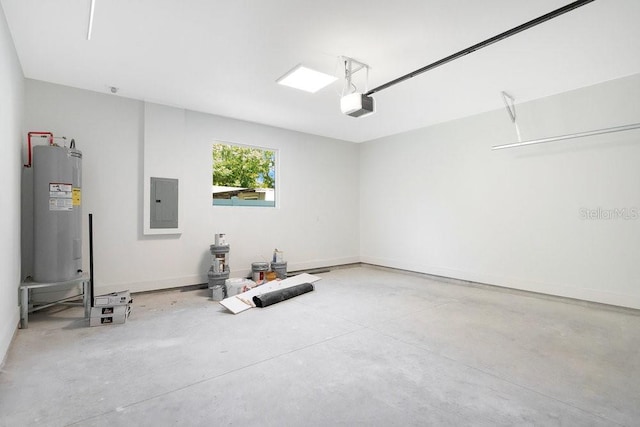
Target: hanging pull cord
column 348, row 86
column 511, row 109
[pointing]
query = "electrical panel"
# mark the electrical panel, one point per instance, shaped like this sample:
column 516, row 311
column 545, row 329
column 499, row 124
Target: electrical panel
column 164, row 203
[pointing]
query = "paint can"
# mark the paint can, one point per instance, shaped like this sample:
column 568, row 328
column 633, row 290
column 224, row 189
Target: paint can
column 219, row 261
column 217, row 293
column 280, row 268
column 278, row 256
column 259, row 271
column 220, row 239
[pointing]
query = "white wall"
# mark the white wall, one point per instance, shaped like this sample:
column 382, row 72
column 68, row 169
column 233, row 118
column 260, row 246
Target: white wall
column 164, row 133
column 316, row 223
column 439, row 201
column 11, row 107
column 436, row 200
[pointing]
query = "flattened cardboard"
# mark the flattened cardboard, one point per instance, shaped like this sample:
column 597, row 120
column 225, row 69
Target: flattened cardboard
column 115, row 298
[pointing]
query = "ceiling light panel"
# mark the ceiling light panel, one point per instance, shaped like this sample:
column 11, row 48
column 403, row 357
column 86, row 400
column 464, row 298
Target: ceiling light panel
column 304, row 78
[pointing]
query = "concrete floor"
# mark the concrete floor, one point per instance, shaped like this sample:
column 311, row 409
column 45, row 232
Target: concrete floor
column 367, row 347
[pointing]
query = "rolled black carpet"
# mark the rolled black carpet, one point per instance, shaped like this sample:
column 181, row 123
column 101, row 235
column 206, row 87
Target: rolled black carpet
column 275, row 297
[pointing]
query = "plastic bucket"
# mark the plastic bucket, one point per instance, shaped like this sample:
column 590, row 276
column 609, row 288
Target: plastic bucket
column 219, row 249
column 219, row 260
column 280, row 268
column 218, row 293
column 220, row 239
column 217, row 278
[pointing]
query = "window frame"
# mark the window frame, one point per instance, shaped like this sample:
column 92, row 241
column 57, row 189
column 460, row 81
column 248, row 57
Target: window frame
column 236, row 202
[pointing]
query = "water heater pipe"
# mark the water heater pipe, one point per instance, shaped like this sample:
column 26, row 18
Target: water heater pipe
column 91, row 257
column 29, row 135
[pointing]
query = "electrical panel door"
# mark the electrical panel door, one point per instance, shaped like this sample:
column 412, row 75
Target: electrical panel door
column 164, row 203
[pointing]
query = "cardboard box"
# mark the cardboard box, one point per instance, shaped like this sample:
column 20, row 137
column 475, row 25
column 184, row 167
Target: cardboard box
column 238, row 286
column 113, row 299
column 110, row 315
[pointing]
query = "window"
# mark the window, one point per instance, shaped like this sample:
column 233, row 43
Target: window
column 243, row 176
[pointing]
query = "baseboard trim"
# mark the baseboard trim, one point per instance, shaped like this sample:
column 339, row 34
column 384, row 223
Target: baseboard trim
column 509, row 290
column 8, row 335
column 198, row 282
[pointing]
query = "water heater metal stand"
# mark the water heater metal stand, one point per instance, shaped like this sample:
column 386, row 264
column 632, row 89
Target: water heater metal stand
column 26, row 287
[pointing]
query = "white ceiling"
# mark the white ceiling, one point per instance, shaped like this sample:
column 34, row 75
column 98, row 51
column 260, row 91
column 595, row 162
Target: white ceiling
column 223, row 57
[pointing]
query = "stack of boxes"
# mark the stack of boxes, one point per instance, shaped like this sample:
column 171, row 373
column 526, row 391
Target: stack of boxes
column 111, row 309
